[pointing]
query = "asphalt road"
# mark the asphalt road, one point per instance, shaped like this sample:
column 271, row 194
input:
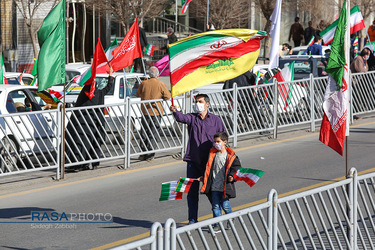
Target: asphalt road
column 293, row 161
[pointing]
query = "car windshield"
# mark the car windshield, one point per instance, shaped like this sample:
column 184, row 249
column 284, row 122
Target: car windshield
column 302, row 68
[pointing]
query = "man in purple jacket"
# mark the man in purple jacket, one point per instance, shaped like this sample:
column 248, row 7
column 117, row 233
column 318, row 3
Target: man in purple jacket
column 202, row 126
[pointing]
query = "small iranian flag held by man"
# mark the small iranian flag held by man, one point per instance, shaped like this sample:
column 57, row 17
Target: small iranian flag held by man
column 211, row 57
column 335, row 125
column 248, row 175
column 99, row 60
column 356, row 24
column 150, row 49
column 168, row 192
column 128, row 50
column 184, row 184
column 311, row 42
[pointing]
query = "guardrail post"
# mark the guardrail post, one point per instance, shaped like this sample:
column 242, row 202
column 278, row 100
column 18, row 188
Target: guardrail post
column 275, row 107
column 312, row 102
column 59, row 142
column 127, row 134
column 157, row 234
column 353, row 205
column 272, row 220
column 235, row 114
column 170, row 234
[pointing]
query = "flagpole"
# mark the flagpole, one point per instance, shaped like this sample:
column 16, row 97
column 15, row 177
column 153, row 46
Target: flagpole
column 208, row 12
column 347, row 59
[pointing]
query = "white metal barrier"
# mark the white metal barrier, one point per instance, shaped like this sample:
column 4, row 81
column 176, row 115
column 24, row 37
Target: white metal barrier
column 31, row 141
column 336, row 216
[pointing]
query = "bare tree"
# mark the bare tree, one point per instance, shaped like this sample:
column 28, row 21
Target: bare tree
column 266, row 6
column 223, row 14
column 125, row 11
column 28, row 10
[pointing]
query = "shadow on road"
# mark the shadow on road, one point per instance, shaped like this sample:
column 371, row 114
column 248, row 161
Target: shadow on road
column 130, row 223
column 22, row 213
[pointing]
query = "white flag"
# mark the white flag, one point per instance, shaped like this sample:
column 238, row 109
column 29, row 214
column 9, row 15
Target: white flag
column 275, row 35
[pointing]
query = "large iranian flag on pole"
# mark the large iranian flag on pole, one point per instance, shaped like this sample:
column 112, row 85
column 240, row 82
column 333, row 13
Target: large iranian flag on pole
column 335, row 125
column 168, row 191
column 211, row 57
column 356, row 24
column 248, row 175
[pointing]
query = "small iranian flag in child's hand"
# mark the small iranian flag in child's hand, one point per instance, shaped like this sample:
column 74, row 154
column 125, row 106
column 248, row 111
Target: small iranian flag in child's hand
column 248, row 175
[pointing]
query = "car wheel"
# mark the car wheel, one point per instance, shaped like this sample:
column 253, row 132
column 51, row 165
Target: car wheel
column 8, row 151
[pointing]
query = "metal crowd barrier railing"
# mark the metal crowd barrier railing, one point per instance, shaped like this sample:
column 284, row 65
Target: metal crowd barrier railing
column 121, row 131
column 335, row 216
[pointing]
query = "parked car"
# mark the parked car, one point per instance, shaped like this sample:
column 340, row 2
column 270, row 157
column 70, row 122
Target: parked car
column 300, row 49
column 24, row 134
column 12, row 78
column 305, row 65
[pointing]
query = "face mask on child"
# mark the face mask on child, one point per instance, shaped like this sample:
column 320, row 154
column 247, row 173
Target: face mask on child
column 199, row 107
column 218, row 146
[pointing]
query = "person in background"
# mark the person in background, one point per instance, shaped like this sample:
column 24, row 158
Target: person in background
column 371, row 32
column 359, row 63
column 286, row 49
column 143, row 41
column 148, row 90
column 202, row 126
column 309, row 32
column 218, row 181
column 296, row 32
column 86, row 128
column 171, row 36
column 316, row 48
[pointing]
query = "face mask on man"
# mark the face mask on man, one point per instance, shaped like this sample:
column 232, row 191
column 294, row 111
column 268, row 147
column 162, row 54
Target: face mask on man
column 218, row 146
column 199, row 107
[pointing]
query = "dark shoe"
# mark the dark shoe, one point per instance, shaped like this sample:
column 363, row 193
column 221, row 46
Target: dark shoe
column 356, row 117
column 142, row 157
column 83, row 167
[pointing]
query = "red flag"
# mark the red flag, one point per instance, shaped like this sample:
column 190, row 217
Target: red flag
column 98, row 60
column 128, row 50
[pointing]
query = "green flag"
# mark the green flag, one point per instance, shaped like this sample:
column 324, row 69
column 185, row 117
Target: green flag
column 336, row 60
column 51, row 37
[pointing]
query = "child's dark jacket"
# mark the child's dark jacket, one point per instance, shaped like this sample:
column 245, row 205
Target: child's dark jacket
column 231, row 166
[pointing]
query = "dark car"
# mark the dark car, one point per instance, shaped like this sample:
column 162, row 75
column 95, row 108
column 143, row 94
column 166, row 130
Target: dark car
column 305, row 65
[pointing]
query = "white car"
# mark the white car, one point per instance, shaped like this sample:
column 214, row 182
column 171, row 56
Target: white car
column 24, row 133
column 300, row 49
column 72, row 70
column 12, row 78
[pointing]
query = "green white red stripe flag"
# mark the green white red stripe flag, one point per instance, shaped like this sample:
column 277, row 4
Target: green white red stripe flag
column 286, row 89
column 212, row 56
column 356, row 24
column 311, row 42
column 3, row 80
column 248, row 175
column 150, row 49
column 168, row 191
column 184, row 184
column 335, row 124
column 185, row 5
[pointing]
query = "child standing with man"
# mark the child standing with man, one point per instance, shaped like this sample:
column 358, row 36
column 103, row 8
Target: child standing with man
column 218, row 177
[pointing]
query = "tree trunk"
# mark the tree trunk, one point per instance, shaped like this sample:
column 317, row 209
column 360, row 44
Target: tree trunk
column 267, row 39
column 34, row 40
